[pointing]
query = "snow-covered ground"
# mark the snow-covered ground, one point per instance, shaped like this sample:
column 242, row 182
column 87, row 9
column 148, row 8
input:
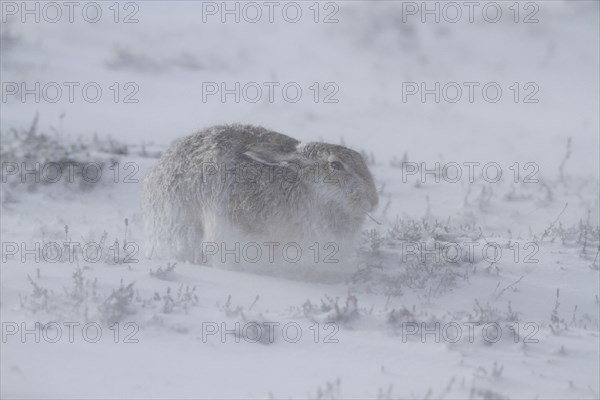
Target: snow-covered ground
column 390, row 322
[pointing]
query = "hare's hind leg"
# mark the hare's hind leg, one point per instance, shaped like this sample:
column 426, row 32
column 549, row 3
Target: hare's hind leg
column 189, row 242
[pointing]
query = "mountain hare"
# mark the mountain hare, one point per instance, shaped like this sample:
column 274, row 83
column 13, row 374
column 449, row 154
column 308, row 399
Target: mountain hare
column 250, row 183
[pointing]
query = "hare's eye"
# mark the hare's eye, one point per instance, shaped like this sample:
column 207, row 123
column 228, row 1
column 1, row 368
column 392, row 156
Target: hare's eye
column 337, row 165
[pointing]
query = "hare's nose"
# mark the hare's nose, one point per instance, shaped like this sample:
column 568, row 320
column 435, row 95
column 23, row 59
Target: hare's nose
column 373, row 200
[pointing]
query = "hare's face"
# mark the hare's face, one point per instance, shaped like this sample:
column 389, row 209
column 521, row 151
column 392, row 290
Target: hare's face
column 345, row 179
column 337, row 175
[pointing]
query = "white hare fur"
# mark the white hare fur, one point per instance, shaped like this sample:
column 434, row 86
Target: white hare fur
column 247, row 182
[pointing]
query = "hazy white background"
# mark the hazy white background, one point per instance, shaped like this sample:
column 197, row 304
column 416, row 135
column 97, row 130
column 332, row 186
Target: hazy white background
column 368, row 54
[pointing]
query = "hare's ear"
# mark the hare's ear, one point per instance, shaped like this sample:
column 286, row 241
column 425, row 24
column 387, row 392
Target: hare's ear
column 272, row 153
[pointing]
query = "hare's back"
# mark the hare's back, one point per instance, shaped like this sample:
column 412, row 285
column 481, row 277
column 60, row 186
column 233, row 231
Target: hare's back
column 230, row 141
